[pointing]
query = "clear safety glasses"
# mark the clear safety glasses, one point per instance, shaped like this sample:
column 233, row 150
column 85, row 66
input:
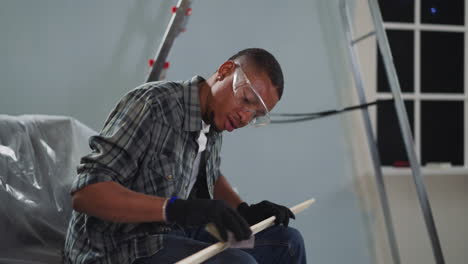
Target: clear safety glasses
column 249, row 99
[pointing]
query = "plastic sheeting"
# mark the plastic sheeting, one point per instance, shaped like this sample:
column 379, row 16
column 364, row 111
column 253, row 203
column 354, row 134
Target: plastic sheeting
column 38, row 158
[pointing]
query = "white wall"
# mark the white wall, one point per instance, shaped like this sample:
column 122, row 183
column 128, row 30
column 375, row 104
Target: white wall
column 448, row 196
column 78, row 58
column 75, row 57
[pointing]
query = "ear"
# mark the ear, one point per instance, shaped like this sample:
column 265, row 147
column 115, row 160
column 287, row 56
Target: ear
column 225, row 69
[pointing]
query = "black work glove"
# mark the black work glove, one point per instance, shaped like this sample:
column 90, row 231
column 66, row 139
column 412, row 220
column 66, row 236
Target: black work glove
column 203, row 211
column 257, row 212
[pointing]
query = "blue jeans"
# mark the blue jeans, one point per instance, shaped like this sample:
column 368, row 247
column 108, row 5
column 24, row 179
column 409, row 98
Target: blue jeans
column 277, row 244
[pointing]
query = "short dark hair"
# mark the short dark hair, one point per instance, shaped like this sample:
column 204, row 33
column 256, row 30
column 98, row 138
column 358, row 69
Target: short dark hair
column 264, row 61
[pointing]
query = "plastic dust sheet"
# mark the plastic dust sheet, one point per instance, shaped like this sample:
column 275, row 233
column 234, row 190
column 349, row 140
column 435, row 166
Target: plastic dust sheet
column 38, row 158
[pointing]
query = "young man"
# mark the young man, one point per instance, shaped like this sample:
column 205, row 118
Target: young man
column 153, row 179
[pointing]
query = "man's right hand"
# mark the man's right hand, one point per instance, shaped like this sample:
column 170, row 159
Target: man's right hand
column 203, row 211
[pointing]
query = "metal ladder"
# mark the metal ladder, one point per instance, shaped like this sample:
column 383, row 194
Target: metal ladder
column 173, row 29
column 404, row 127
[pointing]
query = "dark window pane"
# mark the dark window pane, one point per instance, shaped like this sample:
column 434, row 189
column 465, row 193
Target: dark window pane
column 451, row 12
column 442, row 62
column 389, row 140
column 442, row 132
column 402, row 47
column 397, row 10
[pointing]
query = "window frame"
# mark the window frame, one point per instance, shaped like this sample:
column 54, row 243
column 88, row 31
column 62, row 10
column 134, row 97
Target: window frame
column 417, row 97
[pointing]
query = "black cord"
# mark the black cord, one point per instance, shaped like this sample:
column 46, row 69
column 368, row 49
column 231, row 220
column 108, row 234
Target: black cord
column 311, row 116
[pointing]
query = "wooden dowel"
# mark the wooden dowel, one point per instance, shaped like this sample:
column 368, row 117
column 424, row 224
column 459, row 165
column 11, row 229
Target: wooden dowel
column 214, row 249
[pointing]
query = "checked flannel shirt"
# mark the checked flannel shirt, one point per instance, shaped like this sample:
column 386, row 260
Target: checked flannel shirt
column 148, row 145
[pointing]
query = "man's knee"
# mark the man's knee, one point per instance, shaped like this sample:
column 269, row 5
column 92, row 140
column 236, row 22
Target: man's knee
column 285, row 234
column 292, row 237
column 235, row 256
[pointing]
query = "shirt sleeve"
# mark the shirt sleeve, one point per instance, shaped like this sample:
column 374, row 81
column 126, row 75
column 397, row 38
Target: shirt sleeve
column 120, row 147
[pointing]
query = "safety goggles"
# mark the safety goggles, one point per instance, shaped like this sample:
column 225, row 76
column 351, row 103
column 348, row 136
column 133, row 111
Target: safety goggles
column 249, row 99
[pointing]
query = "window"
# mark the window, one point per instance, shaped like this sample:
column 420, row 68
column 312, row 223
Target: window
column 427, row 39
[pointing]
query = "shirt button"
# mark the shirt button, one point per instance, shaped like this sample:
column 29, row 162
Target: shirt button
column 170, row 176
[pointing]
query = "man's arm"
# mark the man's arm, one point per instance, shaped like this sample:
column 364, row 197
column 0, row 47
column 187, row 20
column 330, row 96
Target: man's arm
column 224, row 191
column 117, row 154
column 111, row 201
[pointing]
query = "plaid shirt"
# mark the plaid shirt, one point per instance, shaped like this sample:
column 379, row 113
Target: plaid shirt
column 148, row 144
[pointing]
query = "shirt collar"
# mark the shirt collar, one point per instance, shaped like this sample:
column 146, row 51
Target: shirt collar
column 205, row 127
column 192, row 113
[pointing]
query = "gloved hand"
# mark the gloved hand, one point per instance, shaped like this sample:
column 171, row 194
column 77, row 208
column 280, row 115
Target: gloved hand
column 257, row 212
column 203, row 211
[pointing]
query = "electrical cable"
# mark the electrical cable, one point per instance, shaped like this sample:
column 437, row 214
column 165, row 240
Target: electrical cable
column 302, row 117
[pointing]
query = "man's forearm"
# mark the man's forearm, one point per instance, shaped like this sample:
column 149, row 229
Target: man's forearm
column 224, row 191
column 113, row 202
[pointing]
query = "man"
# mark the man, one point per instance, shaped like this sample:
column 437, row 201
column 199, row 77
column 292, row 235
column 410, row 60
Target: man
column 153, row 180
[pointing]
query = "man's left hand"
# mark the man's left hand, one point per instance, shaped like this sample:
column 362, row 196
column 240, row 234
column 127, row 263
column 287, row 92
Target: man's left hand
column 257, row 212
